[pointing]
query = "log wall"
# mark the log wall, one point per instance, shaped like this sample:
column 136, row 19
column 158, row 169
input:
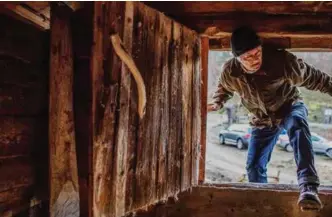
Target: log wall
column 125, row 162
column 23, row 114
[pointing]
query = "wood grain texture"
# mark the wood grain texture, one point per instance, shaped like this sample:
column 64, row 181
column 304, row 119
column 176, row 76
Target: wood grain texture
column 196, row 114
column 301, row 19
column 204, row 84
column 20, row 136
column 164, row 42
column 64, row 196
column 22, row 41
column 123, row 128
column 236, row 202
column 131, row 157
column 211, row 7
column 290, row 43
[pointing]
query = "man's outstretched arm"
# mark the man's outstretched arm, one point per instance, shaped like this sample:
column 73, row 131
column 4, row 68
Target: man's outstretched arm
column 222, row 93
column 305, row 75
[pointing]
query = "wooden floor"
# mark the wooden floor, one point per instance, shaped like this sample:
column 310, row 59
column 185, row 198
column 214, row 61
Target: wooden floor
column 239, row 201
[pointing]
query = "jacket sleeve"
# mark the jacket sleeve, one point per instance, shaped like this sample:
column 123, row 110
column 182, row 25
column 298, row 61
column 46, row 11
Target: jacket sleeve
column 304, row 75
column 223, row 91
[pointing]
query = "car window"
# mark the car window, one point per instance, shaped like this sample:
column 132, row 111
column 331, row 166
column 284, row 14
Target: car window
column 322, row 139
column 315, row 138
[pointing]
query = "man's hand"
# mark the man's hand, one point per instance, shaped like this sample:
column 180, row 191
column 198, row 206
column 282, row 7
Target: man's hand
column 212, row 107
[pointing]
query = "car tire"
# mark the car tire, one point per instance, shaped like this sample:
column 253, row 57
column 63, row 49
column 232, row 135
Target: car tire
column 221, row 140
column 289, row 148
column 329, row 153
column 239, row 144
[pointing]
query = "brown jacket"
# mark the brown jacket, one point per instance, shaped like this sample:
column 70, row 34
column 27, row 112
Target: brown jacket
column 269, row 93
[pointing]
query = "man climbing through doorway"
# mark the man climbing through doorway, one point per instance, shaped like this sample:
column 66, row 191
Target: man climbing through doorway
column 267, row 81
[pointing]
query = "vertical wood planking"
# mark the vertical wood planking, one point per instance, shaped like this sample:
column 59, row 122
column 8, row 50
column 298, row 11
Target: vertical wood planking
column 196, row 116
column 98, row 201
column 136, row 162
column 164, row 40
column 171, row 170
column 122, row 143
column 204, row 85
column 133, row 118
column 187, row 82
column 176, row 104
column 113, row 72
column 156, row 113
column 152, row 75
column 64, row 196
column 141, row 58
column 106, row 70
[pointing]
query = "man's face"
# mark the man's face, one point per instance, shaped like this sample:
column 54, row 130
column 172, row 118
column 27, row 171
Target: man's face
column 252, row 60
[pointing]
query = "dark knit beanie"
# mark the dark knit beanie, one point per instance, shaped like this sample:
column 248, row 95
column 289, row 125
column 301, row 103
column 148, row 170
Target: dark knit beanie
column 244, row 39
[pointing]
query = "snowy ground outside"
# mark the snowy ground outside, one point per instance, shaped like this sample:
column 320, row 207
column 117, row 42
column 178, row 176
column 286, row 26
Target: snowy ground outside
column 227, row 164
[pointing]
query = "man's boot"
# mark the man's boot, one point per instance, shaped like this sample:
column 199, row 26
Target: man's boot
column 308, row 199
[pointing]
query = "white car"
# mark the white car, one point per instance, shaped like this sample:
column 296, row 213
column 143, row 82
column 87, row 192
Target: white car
column 319, row 144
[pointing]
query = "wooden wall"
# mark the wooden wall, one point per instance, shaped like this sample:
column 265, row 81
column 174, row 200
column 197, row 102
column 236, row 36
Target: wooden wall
column 126, row 163
column 250, row 201
column 23, row 114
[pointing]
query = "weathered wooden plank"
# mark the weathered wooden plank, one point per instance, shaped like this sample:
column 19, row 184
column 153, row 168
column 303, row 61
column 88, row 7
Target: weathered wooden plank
column 153, row 73
column 212, row 201
column 196, row 115
column 268, row 25
column 272, row 21
column 203, row 89
column 134, row 121
column 214, row 7
column 21, row 12
column 21, row 136
column 22, row 41
column 156, row 73
column 16, row 173
column 165, row 32
column 141, row 52
column 22, row 100
column 23, row 88
column 17, row 72
column 99, row 198
column 290, row 43
column 176, row 104
column 108, row 18
column 171, row 164
column 187, row 83
column 64, row 196
column 121, row 147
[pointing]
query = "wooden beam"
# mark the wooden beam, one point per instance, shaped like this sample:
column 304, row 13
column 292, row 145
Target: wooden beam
column 33, row 17
column 22, row 42
column 210, row 7
column 64, row 196
column 213, row 201
column 74, row 5
column 204, row 87
column 290, row 43
column 270, row 25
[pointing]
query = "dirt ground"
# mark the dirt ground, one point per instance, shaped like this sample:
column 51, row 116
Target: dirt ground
column 227, row 164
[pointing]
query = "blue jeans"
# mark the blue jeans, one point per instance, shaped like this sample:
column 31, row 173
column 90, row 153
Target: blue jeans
column 262, row 142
